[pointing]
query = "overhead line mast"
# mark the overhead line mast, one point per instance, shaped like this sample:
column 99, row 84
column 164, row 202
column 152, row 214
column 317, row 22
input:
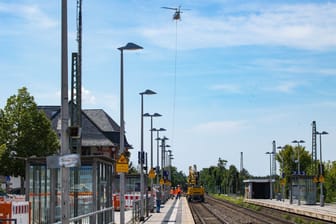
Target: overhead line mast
column 76, row 101
column 76, row 82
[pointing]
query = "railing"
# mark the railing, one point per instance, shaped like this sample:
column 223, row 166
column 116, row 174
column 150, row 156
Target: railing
column 105, row 216
column 136, row 209
column 136, row 212
column 8, row 220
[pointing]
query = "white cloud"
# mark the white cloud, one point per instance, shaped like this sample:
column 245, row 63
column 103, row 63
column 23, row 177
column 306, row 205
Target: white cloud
column 88, row 97
column 286, row 87
column 31, row 14
column 307, row 26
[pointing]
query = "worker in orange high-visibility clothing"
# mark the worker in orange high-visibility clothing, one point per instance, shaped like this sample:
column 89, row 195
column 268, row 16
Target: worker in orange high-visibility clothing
column 178, row 192
column 171, row 193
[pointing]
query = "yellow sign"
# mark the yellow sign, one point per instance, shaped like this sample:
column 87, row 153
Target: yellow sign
column 122, row 159
column 321, row 179
column 122, row 168
column 161, row 181
column 315, row 180
column 283, row 181
column 122, row 164
column 151, row 174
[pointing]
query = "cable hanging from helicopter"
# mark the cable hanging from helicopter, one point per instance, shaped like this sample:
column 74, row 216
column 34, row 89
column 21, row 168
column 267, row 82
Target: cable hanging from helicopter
column 176, row 17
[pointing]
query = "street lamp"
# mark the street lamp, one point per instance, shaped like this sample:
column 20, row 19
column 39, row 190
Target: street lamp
column 298, row 168
column 321, row 174
column 157, row 152
column 163, row 149
column 142, row 185
column 151, row 130
column 271, row 190
column 170, row 156
column 128, row 46
column 165, row 155
column 283, row 173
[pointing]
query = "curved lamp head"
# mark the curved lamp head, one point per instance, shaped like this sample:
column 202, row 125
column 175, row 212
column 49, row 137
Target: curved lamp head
column 296, row 141
column 130, row 46
column 147, row 92
column 152, row 115
column 160, row 129
column 322, row 133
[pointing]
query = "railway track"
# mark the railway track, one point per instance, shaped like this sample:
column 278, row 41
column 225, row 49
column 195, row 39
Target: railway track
column 203, row 215
column 214, row 211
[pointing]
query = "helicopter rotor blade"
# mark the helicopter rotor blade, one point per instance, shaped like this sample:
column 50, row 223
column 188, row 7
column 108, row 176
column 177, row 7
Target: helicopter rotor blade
column 170, row 8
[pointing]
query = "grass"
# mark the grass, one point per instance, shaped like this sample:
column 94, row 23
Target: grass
column 238, row 200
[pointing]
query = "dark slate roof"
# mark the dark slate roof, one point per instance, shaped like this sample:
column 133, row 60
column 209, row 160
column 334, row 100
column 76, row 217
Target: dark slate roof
column 98, row 128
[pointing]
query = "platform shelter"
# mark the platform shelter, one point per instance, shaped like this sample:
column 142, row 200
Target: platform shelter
column 257, row 188
column 89, row 192
column 303, row 187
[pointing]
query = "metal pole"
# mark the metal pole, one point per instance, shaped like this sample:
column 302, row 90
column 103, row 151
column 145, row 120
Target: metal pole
column 64, row 115
column 151, row 130
column 271, row 190
column 321, row 174
column 157, row 158
column 141, row 166
column 299, row 196
column 122, row 130
column 283, row 185
column 270, row 178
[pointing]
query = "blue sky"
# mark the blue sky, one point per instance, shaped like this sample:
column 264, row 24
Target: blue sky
column 231, row 76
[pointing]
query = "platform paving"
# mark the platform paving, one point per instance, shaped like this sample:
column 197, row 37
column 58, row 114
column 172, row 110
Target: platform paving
column 327, row 212
column 173, row 211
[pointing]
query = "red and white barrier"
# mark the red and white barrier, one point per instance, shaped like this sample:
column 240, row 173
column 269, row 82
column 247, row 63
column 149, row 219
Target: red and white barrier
column 19, row 210
column 129, row 199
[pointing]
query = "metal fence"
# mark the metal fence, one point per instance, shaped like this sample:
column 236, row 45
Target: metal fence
column 103, row 216
column 8, row 221
column 136, row 209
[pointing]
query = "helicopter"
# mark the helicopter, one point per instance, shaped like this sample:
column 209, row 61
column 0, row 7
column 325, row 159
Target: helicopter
column 177, row 14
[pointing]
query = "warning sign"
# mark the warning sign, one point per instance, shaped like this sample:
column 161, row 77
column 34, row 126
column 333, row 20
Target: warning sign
column 122, row 159
column 321, row 179
column 122, row 164
column 151, row 174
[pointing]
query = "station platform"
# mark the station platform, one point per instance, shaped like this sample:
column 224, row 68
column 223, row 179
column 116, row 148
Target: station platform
column 173, row 211
column 326, row 213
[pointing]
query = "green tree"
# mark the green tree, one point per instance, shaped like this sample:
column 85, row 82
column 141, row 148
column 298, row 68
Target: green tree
column 233, row 179
column 288, row 158
column 26, row 131
column 178, row 178
column 330, row 181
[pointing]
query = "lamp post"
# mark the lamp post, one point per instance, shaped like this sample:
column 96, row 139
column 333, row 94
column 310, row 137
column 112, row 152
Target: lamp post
column 163, row 149
column 282, row 174
column 321, row 174
column 165, row 156
column 128, row 46
column 298, row 168
column 142, row 185
column 271, row 189
column 157, row 152
column 151, row 130
column 65, row 172
column 170, row 157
